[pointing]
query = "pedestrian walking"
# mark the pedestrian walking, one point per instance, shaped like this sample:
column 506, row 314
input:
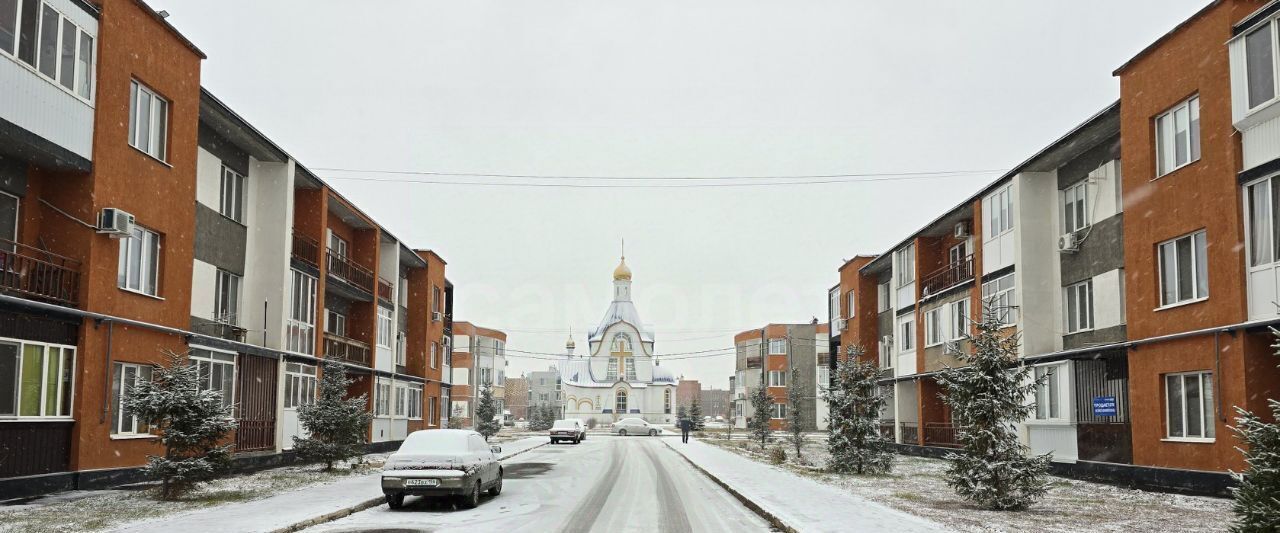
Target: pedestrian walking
column 685, row 426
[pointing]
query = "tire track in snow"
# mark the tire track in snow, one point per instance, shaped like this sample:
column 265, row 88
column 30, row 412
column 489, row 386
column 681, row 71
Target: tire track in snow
column 585, row 514
column 673, row 513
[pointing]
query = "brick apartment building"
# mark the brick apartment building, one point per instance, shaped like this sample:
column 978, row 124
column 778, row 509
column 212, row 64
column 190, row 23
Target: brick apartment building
column 686, row 391
column 767, row 357
column 479, row 358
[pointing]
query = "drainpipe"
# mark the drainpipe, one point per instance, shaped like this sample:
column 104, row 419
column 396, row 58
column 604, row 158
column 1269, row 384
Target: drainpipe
column 106, row 390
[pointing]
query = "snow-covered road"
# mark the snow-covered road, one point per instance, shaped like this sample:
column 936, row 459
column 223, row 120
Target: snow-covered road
column 606, row 483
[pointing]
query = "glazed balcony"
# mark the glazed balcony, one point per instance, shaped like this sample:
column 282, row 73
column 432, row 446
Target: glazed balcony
column 345, row 349
column 306, row 249
column 948, row 276
column 38, row 275
column 345, row 269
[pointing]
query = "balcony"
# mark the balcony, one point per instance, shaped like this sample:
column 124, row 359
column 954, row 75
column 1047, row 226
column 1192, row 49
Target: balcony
column 910, row 432
column 39, row 275
column 384, row 290
column 306, row 249
column 343, row 268
column 886, row 430
column 753, row 361
column 940, row 434
column 948, row 276
column 344, row 349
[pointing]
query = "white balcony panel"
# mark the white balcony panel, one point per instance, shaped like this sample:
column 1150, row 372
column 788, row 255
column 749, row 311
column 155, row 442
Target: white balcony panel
column 906, row 295
column 1261, row 143
column 1058, row 439
column 446, row 375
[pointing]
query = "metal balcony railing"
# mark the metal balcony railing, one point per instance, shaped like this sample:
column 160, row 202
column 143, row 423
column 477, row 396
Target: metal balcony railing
column 349, row 350
column 910, row 432
column 940, row 434
column 306, row 249
column 948, row 276
column 347, row 270
column 384, row 289
column 34, row 273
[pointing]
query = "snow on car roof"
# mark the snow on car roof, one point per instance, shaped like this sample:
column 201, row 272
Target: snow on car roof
column 437, row 441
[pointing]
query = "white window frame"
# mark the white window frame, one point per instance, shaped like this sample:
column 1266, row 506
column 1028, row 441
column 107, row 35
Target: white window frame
column 300, row 385
column 1207, row 408
column 80, row 77
column 629, row 368
column 156, row 141
column 434, row 361
column 885, row 346
column 210, row 362
column 1003, row 298
column 135, row 426
column 778, row 411
column 1270, row 27
column 48, row 365
column 958, row 320
column 144, row 260
column 226, row 297
column 231, row 195
column 1198, row 241
column 933, row 332
column 853, row 303
column 415, row 401
column 824, row 378
column 382, row 398
column 401, row 400
column 1075, row 204
column 300, row 324
column 904, row 265
column 338, row 245
column 777, row 347
column 999, row 212
column 1166, row 133
column 777, row 378
column 1078, row 297
column 1050, row 386
column 385, row 324
column 335, row 323
column 906, row 336
column 882, row 297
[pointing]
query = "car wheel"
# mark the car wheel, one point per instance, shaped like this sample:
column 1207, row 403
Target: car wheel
column 622, row 432
column 496, row 489
column 653, row 433
column 472, row 500
column 554, row 441
column 575, row 441
column 395, row 501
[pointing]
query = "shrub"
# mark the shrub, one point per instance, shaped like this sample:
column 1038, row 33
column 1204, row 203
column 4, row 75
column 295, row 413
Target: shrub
column 777, row 455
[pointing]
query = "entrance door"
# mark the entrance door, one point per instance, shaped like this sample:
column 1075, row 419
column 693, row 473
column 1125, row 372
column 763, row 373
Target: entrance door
column 257, row 390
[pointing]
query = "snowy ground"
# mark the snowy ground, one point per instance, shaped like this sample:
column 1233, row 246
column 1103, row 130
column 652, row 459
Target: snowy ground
column 99, row 510
column 917, row 486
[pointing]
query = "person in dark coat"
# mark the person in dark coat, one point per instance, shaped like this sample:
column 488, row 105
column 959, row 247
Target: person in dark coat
column 685, row 426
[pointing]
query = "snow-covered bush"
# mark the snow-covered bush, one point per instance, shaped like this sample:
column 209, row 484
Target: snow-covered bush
column 335, row 425
column 762, row 404
column 853, row 428
column 1257, row 498
column 989, row 397
column 487, row 413
column 777, row 455
column 192, row 425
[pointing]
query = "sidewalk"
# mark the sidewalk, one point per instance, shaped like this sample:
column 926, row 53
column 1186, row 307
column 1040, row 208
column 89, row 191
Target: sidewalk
column 296, row 509
column 794, row 502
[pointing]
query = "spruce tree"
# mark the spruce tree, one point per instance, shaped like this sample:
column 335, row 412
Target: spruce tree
column 1257, row 498
column 486, row 414
column 762, row 405
column 192, row 425
column 695, row 415
column 336, row 426
column 853, row 426
column 682, row 414
column 550, row 414
column 989, row 398
column 795, row 415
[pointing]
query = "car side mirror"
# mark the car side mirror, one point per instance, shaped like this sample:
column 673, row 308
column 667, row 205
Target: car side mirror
column 495, row 449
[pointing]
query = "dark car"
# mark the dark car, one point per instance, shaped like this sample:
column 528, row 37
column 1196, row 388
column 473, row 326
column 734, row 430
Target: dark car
column 449, row 463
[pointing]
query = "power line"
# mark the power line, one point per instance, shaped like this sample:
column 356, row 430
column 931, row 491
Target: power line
column 837, row 179
column 657, row 178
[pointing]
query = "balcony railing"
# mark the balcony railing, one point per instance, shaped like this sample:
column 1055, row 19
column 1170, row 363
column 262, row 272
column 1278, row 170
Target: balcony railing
column 886, row 430
column 349, row 350
column 910, row 432
column 306, row 249
column 37, row 274
column 940, row 434
column 347, row 270
column 948, row 276
column 384, row 289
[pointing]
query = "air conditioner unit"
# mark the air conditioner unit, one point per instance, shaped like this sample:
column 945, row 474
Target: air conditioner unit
column 436, row 316
column 961, row 231
column 115, row 223
column 1068, row 243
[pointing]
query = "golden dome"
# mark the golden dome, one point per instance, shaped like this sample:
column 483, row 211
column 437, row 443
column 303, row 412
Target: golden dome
column 622, row 272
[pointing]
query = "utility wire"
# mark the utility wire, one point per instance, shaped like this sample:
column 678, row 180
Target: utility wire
column 649, row 185
column 659, row 178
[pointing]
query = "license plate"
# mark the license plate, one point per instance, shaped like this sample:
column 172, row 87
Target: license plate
column 421, row 482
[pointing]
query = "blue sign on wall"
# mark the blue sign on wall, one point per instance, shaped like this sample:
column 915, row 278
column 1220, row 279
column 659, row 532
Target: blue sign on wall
column 1104, row 406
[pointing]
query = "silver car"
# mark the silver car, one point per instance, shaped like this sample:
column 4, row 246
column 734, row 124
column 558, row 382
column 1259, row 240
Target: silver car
column 635, row 426
column 451, row 463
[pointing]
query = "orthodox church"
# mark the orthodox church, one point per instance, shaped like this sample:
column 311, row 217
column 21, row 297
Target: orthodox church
column 619, row 376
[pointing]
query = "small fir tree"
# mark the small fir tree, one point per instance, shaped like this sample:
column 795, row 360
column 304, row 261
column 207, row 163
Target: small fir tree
column 989, row 397
column 795, row 415
column 192, row 425
column 682, row 414
column 550, row 414
column 537, row 420
column 762, row 405
column 695, row 415
column 486, row 421
column 1257, row 498
column 336, row 426
column 853, row 427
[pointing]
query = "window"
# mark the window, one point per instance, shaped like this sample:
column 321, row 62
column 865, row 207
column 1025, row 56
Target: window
column 434, row 349
column 48, row 46
column 630, row 368
column 125, row 377
column 485, row 376
column 907, row 335
column 8, row 220
column 999, row 211
column 337, row 245
column 621, row 343
column 1075, row 208
column 853, row 304
column 999, row 299
column 401, row 399
column 666, row 401
column 148, row 121
column 885, row 348
column 612, row 372
column 904, row 265
column 335, row 322
column 415, row 402
column 301, row 325
column 28, row 16
column 35, row 379
column 432, row 419
column 217, row 373
column 1048, row 389
column 226, row 298
column 1079, row 302
column 385, row 333
column 1264, row 229
column 8, row 25
column 957, row 254
column 777, row 346
column 139, row 261
column 779, row 411
column 959, row 311
column 65, row 52
column 435, row 299
column 833, row 306
column 1178, row 136
column 1184, row 274
column 620, row 401
column 777, row 378
column 1260, row 65
column 299, row 385
column 382, row 399
column 231, row 195
column 1191, row 412
column 882, row 297
column 933, row 324
column 824, row 377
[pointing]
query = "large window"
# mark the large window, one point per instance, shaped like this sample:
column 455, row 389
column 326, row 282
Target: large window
column 1260, row 64
column 335, row 322
column 231, row 195
column 999, row 298
column 779, row 411
column 139, row 268
column 885, row 347
column 38, row 35
column 1079, row 307
column 217, row 373
column 385, row 333
column 777, row 346
column 620, row 401
column 621, row 343
column 882, row 297
column 998, row 207
column 299, row 385
column 959, row 320
column 1178, row 136
column 35, row 379
column 824, row 378
column 226, row 298
column 904, row 265
column 1264, row 221
column 629, row 366
column 1048, row 389
column 402, row 393
column 301, row 325
column 125, row 377
column 1075, row 208
column 1191, row 412
column 148, row 121
column 415, row 401
column 907, row 335
column 382, row 398
column 933, row 324
column 1184, row 272
column 777, row 378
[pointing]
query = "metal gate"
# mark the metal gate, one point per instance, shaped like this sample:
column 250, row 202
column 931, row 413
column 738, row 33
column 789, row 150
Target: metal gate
column 256, row 389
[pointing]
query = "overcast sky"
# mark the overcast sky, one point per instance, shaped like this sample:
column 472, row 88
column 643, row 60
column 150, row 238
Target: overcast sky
column 657, row 88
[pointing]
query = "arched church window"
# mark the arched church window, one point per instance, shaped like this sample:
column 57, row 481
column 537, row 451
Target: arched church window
column 620, row 401
column 621, row 343
column 666, row 401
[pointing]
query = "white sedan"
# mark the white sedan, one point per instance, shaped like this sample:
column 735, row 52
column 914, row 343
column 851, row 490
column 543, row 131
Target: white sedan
column 442, row 463
column 635, row 426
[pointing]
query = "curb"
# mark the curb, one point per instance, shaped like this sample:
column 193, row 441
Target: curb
column 362, row 506
column 771, row 518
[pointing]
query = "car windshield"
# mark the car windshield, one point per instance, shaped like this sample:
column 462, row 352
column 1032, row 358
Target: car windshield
column 632, row 421
column 563, row 424
column 435, row 442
